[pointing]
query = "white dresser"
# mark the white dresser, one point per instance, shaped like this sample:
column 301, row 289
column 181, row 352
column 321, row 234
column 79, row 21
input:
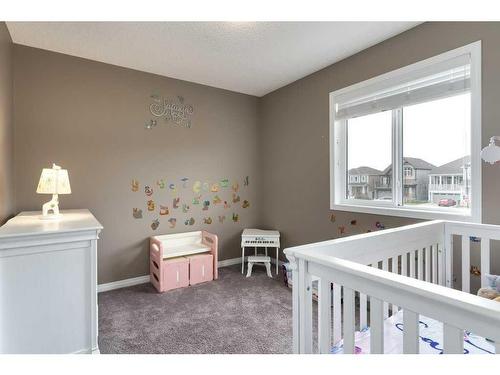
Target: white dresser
column 48, row 283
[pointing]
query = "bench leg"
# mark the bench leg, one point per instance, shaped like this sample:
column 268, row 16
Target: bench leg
column 268, row 269
column 242, row 260
column 250, row 266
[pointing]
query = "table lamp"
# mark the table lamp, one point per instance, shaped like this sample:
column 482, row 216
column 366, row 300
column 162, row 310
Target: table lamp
column 53, row 181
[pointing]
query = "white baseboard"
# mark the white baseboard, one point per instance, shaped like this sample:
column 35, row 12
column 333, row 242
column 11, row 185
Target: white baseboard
column 145, row 279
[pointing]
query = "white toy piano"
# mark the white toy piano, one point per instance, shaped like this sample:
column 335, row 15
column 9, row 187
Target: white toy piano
column 257, row 238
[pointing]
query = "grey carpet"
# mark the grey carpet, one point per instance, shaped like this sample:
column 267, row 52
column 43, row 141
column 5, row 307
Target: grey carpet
column 230, row 315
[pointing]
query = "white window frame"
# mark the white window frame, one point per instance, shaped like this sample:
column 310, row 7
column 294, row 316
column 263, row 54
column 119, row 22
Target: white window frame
column 338, row 154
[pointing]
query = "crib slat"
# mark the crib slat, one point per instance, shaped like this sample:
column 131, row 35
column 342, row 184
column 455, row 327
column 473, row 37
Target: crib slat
column 448, row 248
column 434, row 263
column 420, row 264
column 497, row 347
column 362, row 311
column 386, row 305
column 404, row 264
column 453, row 339
column 441, row 265
column 376, row 326
column 337, row 313
column 465, row 264
column 428, row 263
column 395, row 269
column 324, row 315
column 411, row 332
column 485, row 261
column 412, row 264
column 349, row 320
column 305, row 308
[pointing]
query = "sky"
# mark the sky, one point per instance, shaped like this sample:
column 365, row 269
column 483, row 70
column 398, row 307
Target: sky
column 437, row 132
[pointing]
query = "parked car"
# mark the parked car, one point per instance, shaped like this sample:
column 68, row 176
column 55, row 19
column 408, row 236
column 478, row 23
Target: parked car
column 447, row 202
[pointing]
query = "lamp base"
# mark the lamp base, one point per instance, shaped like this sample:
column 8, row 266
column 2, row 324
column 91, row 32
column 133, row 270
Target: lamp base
column 51, row 206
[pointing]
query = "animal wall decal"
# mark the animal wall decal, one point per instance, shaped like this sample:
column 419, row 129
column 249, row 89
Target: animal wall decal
column 163, row 210
column 245, row 204
column 148, row 190
column 236, row 198
column 175, row 202
column 197, row 187
column 185, row 208
column 135, row 185
column 236, row 217
column 155, row 224
column 172, row 221
column 207, row 220
column 151, row 205
column 246, row 181
column 206, row 204
column 216, row 200
column 190, row 221
column 214, row 188
column 196, row 199
column 161, row 183
column 137, row 213
column 222, row 218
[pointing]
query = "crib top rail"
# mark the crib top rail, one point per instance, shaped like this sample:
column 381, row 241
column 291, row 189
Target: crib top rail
column 459, row 309
column 369, row 247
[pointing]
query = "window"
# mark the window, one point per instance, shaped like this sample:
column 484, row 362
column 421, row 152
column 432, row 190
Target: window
column 413, row 136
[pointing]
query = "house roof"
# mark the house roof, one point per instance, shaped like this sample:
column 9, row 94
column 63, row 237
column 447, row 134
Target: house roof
column 415, row 163
column 365, row 171
column 453, row 167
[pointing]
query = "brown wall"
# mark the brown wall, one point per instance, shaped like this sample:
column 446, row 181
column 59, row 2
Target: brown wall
column 6, row 125
column 89, row 117
column 294, row 136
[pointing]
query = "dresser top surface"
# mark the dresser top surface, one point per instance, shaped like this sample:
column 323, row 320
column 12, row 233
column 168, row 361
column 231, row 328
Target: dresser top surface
column 30, row 223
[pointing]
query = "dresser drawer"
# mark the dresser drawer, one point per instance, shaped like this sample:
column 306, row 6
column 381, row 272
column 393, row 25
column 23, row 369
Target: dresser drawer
column 201, row 268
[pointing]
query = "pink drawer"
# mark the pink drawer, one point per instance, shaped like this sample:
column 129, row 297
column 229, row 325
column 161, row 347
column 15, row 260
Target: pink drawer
column 201, row 268
column 175, row 273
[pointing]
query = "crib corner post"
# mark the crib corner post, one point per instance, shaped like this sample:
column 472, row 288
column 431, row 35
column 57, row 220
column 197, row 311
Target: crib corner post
column 295, row 302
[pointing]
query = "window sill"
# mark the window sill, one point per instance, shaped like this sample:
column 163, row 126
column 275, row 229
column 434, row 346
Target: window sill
column 425, row 214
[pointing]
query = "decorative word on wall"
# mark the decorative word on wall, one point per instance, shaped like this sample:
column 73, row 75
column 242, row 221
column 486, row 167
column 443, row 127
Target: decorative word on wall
column 197, row 202
column 175, row 111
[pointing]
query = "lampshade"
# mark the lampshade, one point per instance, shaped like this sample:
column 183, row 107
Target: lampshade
column 54, row 181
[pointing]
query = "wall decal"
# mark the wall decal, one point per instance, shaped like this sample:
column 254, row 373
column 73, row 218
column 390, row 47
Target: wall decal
column 190, row 221
column 155, row 224
column 245, row 204
column 236, row 217
column 341, row 230
column 185, row 208
column 236, row 198
column 172, row 221
column 235, row 187
column 135, row 186
column 206, row 186
column 333, row 218
column 246, row 181
column 137, row 213
column 196, row 199
column 216, row 200
column 222, row 218
column 226, row 205
column 172, row 188
column 175, row 203
column 206, row 204
column 151, row 205
column 163, row 210
column 207, row 220
column 161, row 183
column 379, row 225
column 197, row 187
column 224, row 183
column 214, row 188
column 150, row 124
column 148, row 190
column 354, row 222
column 175, row 110
column 184, row 182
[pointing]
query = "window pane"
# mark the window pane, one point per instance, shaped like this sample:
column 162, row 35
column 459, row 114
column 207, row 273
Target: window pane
column 436, row 146
column 369, row 157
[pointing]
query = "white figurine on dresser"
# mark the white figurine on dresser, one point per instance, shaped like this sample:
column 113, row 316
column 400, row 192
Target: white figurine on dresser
column 48, row 283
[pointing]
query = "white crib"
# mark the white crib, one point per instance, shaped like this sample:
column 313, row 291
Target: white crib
column 409, row 268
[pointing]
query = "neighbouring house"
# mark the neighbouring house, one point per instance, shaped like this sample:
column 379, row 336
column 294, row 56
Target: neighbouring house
column 362, row 181
column 452, row 181
column 415, row 180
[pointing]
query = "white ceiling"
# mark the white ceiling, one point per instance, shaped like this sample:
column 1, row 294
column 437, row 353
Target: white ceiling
column 249, row 57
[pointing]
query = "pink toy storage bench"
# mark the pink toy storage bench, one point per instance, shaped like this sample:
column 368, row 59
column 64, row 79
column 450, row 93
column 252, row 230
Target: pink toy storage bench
column 177, row 260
